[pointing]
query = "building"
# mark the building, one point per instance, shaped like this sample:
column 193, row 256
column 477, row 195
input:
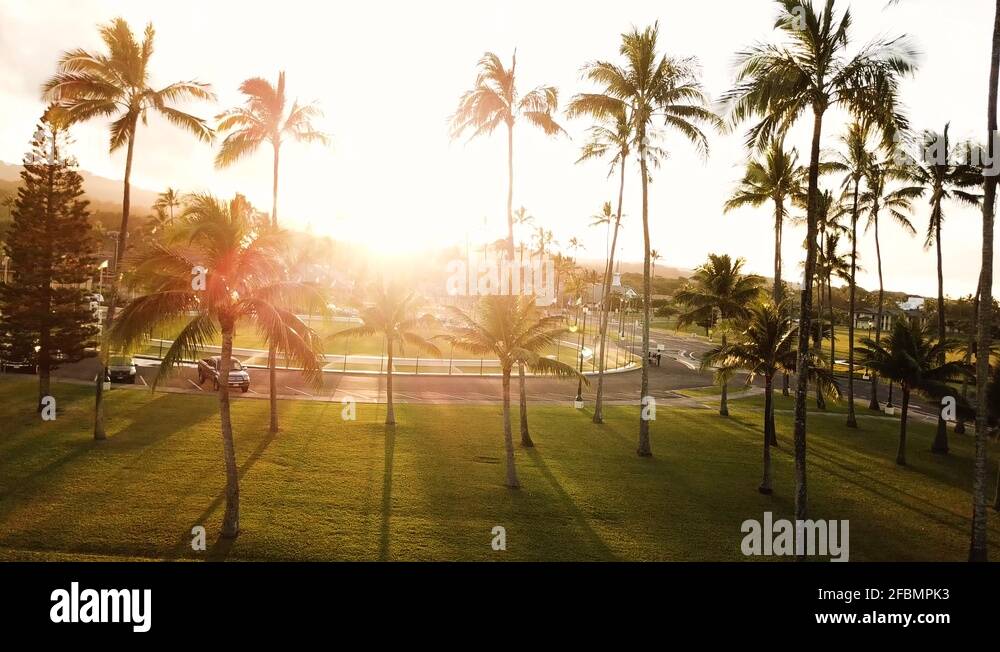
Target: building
column 912, row 309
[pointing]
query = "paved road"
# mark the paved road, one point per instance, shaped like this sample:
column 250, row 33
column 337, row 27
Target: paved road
column 680, row 360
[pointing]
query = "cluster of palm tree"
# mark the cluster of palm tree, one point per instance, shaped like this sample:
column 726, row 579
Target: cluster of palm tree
column 115, row 84
column 810, row 72
column 634, row 103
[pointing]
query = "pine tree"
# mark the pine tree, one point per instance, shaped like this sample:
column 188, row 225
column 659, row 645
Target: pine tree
column 44, row 313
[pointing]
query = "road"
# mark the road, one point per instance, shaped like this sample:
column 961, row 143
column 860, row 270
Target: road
column 679, row 369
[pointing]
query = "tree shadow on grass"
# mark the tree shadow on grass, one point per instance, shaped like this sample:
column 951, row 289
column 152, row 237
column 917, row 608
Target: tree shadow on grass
column 594, row 541
column 221, row 548
column 384, row 531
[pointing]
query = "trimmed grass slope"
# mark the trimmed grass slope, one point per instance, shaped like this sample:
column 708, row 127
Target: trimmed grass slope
column 327, row 489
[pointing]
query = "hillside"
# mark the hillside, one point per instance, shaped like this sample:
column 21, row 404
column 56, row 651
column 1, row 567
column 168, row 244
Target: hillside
column 105, row 194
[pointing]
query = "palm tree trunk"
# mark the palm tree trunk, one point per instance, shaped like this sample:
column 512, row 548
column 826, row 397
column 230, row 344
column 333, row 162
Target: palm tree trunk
column 272, row 354
column 525, row 436
column 510, row 189
column 508, row 437
column 941, row 437
column 960, row 421
column 765, row 483
column 901, row 453
column 873, row 403
column 724, row 401
column 779, row 291
column 606, row 301
column 818, row 338
column 120, row 244
column 977, row 545
column 644, row 449
column 805, row 314
column 779, row 219
column 390, row 413
column 852, row 420
column 833, row 332
column 231, row 517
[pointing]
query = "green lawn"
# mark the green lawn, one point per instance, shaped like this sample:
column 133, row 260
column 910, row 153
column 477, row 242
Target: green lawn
column 432, row 489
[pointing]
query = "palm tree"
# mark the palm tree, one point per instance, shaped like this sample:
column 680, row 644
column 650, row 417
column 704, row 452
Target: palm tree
column 495, row 101
column 654, row 256
column 814, row 73
column 766, row 347
column 167, row 201
column 719, row 290
column 115, row 85
column 648, row 87
column 855, row 162
column 610, row 138
column 392, row 314
column 776, row 177
column 944, row 179
column 977, row 544
column 912, row 359
column 522, row 221
column 510, row 328
column 878, row 196
column 244, row 284
column 263, row 118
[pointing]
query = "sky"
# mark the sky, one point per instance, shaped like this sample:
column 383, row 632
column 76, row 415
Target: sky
column 389, row 74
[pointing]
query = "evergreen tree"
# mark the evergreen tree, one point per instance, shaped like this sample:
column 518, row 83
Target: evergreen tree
column 45, row 317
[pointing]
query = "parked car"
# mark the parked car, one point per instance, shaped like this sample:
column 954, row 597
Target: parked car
column 121, row 369
column 208, row 369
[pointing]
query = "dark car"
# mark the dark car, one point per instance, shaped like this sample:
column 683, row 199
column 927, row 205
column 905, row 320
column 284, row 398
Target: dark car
column 121, row 369
column 208, row 369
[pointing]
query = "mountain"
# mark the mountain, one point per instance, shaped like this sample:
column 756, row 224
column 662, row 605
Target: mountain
column 105, row 194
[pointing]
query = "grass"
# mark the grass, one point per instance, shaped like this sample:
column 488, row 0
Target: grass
column 431, row 489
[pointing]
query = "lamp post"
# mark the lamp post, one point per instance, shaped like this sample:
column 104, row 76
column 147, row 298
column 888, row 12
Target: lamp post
column 583, row 340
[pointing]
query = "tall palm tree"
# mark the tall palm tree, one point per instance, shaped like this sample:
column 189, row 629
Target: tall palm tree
column 654, row 256
column 522, row 220
column 266, row 118
column 392, row 313
column 495, row 101
column 977, row 544
column 244, row 284
column 647, row 88
column 510, row 328
column 912, row 359
column 855, row 160
column 115, row 85
column 944, row 178
column 880, row 195
column 610, row 138
column 774, row 177
column 167, row 201
column 765, row 348
column 719, row 288
column 813, row 73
